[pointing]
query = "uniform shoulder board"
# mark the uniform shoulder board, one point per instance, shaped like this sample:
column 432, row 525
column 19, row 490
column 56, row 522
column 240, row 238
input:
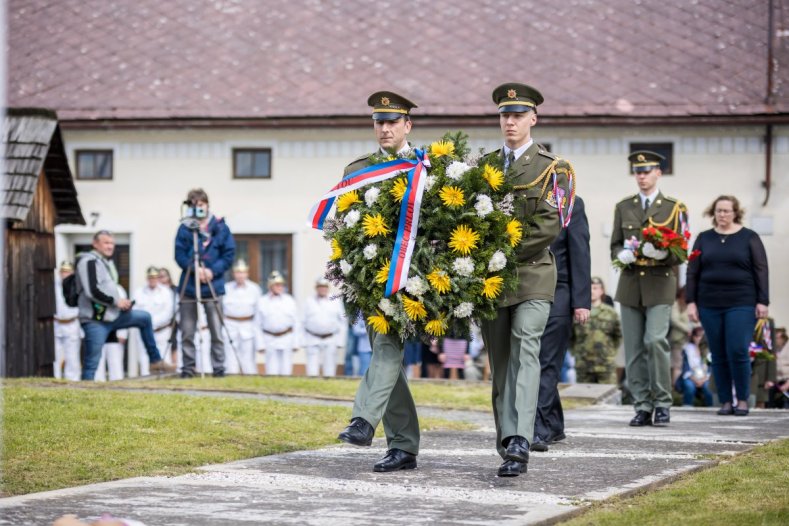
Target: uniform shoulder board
column 673, row 200
column 628, row 198
column 360, row 158
column 545, row 153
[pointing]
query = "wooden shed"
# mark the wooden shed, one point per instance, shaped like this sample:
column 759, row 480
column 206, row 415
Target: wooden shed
column 37, row 193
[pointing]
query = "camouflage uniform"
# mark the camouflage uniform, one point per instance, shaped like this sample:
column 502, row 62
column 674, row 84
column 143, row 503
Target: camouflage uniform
column 595, row 345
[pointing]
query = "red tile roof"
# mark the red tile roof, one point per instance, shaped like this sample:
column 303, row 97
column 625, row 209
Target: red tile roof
column 140, row 59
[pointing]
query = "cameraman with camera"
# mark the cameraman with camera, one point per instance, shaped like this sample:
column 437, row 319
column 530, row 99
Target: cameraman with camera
column 204, row 247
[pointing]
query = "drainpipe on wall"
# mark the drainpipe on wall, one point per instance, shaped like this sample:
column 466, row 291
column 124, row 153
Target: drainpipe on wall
column 768, row 100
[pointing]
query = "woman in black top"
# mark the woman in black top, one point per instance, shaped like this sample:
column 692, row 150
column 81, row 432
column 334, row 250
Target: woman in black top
column 727, row 290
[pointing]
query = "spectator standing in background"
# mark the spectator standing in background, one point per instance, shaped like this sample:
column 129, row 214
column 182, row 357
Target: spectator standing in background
column 67, row 330
column 240, row 304
column 595, row 344
column 278, row 317
column 157, row 300
column 175, row 331
column 727, row 289
column 323, row 321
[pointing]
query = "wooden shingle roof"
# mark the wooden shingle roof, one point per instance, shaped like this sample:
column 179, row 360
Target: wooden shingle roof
column 250, row 59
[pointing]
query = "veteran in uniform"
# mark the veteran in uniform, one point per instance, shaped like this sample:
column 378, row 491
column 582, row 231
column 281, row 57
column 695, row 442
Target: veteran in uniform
column 239, row 305
column 383, row 393
column 513, row 337
column 67, row 331
column 157, row 300
column 323, row 322
column 647, row 288
column 278, row 317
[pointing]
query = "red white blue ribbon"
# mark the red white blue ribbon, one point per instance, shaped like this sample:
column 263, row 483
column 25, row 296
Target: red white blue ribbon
column 559, row 195
column 409, row 209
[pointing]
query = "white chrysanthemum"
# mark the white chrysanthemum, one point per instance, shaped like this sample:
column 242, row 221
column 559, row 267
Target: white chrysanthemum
column 386, row 306
column 463, row 266
column 497, row 261
column 345, row 267
column 506, row 205
column 464, row 310
column 370, row 251
column 456, row 170
column 429, row 182
column 371, row 195
column 483, row 205
column 416, row 286
column 351, row 218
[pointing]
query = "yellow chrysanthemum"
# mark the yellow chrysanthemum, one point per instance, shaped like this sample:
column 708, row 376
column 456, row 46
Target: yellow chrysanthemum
column 374, row 225
column 452, row 196
column 491, row 287
column 336, row 250
column 439, row 280
column 383, row 274
column 440, row 148
column 378, row 323
column 415, row 310
column 399, row 188
column 345, row 201
column 515, row 231
column 463, row 240
column 493, row 176
column 437, row 327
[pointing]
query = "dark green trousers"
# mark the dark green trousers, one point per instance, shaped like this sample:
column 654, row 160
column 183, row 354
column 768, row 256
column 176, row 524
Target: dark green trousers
column 513, row 343
column 384, row 395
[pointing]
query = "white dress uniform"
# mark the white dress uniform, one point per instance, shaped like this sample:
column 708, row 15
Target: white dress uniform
column 323, row 321
column 277, row 317
column 239, row 304
column 67, row 337
column 111, row 360
column 158, row 302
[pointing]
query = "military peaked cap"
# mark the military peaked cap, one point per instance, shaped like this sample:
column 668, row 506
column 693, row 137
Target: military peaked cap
column 644, row 161
column 389, row 106
column 513, row 97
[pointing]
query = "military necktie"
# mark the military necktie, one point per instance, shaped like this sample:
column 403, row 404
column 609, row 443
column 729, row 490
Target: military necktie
column 509, row 160
column 646, row 204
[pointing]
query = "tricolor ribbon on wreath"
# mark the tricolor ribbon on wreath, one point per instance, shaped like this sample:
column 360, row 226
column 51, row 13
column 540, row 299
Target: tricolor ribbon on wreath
column 416, row 170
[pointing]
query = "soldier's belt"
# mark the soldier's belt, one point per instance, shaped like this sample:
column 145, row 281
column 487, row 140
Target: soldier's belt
column 64, row 322
column 280, row 333
column 649, row 262
column 240, row 318
column 321, row 336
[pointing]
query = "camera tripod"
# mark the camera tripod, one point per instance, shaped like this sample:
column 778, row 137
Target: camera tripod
column 194, row 226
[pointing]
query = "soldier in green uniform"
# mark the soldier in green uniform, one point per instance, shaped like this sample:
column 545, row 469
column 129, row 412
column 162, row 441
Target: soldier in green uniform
column 595, row 344
column 513, row 337
column 383, row 393
column 647, row 288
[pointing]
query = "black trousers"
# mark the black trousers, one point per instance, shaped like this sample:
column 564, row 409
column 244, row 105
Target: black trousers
column 549, row 422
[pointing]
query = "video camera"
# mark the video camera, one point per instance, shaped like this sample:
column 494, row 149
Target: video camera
column 191, row 214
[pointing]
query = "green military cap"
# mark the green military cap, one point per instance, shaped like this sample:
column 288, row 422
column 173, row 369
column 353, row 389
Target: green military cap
column 644, row 161
column 513, row 97
column 389, row 106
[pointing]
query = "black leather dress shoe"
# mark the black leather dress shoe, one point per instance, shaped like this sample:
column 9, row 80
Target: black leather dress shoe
column 557, row 438
column 358, row 433
column 394, row 460
column 642, row 418
column 517, row 449
column 726, row 410
column 538, row 444
column 512, row 468
column 662, row 417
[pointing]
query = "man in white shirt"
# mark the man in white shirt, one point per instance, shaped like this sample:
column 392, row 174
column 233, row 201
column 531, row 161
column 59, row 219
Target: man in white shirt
column 157, row 300
column 323, row 321
column 278, row 318
column 67, row 330
column 239, row 304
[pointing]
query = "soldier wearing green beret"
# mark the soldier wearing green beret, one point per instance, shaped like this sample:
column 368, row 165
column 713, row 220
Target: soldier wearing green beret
column 383, row 393
column 647, row 288
column 513, row 337
column 596, row 343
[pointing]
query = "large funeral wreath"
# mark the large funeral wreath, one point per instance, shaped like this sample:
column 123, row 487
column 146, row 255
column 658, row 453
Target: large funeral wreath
column 464, row 255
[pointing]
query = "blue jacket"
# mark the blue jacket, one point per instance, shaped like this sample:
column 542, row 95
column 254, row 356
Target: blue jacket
column 217, row 250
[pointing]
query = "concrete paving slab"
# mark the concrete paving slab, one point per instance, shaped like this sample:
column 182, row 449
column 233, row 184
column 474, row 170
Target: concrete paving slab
column 455, row 482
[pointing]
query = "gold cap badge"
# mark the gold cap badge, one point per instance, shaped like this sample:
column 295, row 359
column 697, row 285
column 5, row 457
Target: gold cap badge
column 641, row 158
column 512, row 93
column 385, row 101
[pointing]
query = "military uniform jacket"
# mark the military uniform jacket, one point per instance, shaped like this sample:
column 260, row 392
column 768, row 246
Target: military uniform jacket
column 647, row 282
column 536, row 265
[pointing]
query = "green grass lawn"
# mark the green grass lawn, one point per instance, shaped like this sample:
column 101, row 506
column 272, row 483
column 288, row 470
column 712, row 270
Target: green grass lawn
column 749, row 490
column 59, row 436
column 474, row 396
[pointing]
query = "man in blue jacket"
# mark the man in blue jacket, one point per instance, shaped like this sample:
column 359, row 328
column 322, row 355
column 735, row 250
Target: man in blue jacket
column 216, row 250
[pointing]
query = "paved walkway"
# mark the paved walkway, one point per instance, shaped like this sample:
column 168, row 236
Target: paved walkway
column 454, row 484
